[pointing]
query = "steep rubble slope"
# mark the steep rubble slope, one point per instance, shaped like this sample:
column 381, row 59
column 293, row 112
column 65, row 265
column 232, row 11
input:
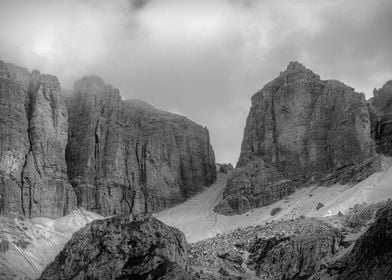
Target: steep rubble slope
column 33, row 136
column 28, row 246
column 124, row 247
column 310, row 130
column 127, row 156
column 197, row 219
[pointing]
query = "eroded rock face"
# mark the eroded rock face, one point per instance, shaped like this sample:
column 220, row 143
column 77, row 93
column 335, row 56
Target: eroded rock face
column 287, row 250
column 255, row 185
column 127, row 156
column 371, row 256
column 294, row 257
column 380, row 107
column 126, row 247
column 33, row 136
column 310, row 130
column 307, row 127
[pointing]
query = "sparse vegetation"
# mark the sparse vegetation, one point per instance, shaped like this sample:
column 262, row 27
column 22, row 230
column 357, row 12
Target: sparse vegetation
column 275, row 211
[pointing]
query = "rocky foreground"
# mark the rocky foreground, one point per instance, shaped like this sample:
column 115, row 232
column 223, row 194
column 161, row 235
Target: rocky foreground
column 141, row 247
column 123, row 247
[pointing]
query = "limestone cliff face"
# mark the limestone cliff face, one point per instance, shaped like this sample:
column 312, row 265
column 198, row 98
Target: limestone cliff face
column 310, row 130
column 97, row 151
column 254, row 185
column 307, row 127
column 126, row 247
column 33, row 136
column 380, row 107
column 127, row 156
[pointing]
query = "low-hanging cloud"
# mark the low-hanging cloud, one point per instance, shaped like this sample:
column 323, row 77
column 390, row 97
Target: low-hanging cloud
column 202, row 59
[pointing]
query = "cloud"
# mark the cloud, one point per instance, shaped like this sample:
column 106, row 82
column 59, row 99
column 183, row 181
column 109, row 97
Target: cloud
column 204, row 59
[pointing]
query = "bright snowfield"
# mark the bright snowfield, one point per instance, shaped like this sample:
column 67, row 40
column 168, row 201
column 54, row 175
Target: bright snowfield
column 39, row 240
column 198, row 221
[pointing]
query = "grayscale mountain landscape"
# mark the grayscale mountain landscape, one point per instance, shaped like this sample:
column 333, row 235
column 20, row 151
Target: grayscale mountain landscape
column 195, row 140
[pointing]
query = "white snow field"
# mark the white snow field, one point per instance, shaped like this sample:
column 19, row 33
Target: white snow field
column 39, row 241
column 197, row 220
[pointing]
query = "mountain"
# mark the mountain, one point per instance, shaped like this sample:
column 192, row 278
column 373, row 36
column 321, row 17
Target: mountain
column 301, row 130
column 127, row 156
column 305, row 201
column 91, row 149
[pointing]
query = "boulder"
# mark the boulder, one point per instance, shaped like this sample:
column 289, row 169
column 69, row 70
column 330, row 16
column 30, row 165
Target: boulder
column 134, row 246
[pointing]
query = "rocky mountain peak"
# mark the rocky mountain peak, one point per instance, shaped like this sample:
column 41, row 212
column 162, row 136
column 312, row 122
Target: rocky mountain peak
column 306, row 130
column 296, row 71
column 14, row 72
column 382, row 99
column 94, row 85
column 388, row 86
column 295, row 66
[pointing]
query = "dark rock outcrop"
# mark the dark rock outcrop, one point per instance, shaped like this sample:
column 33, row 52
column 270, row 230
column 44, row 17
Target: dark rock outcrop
column 224, row 167
column 254, row 185
column 380, row 107
column 307, row 127
column 127, row 156
column 371, row 256
column 126, row 247
column 33, row 136
column 294, row 257
column 309, row 130
column 287, row 250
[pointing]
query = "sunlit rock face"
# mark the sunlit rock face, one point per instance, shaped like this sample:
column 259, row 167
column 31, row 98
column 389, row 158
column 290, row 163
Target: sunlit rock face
column 127, row 156
column 33, row 137
column 309, row 130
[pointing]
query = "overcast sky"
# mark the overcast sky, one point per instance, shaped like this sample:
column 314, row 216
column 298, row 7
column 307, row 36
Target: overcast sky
column 201, row 59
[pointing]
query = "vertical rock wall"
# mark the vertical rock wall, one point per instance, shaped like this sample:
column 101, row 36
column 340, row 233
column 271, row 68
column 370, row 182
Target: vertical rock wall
column 309, row 130
column 102, row 153
column 33, row 136
column 127, row 156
